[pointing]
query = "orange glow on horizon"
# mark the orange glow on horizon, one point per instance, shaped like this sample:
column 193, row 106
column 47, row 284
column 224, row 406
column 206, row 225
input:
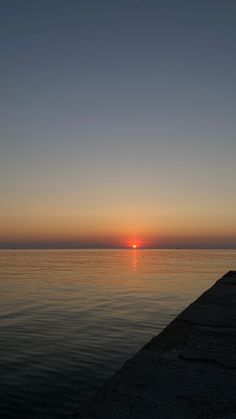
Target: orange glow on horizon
column 35, row 229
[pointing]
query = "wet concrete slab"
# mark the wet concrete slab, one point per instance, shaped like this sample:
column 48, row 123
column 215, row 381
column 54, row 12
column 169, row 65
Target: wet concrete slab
column 187, row 371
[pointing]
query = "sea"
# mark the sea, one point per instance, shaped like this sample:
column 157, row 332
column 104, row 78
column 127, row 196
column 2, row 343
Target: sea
column 69, row 319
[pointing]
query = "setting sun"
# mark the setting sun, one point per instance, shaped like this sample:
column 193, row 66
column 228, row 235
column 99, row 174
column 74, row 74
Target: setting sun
column 134, row 246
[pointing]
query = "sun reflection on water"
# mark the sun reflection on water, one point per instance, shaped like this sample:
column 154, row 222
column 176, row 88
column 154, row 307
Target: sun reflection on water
column 134, row 260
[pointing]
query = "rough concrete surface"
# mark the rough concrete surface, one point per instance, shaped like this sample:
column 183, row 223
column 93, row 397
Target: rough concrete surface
column 187, row 371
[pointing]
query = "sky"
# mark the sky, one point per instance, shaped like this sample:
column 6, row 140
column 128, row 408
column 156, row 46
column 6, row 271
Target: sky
column 117, row 123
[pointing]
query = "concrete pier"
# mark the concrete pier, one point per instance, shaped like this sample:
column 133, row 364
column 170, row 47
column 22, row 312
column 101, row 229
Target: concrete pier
column 187, row 371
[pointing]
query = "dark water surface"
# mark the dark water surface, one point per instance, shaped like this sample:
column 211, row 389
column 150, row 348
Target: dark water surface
column 69, row 319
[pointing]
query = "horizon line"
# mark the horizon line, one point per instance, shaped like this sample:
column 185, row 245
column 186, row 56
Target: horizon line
column 119, row 248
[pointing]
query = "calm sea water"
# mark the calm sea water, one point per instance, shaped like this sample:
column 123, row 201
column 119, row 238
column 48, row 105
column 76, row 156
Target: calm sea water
column 69, row 319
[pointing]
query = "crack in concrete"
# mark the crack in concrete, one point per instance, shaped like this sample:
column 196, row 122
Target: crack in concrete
column 207, row 360
column 208, row 325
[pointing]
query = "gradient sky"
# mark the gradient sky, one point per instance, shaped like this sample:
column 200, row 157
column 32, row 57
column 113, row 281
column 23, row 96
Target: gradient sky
column 117, row 123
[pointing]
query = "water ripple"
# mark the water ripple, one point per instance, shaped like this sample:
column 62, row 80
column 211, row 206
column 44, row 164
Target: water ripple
column 69, row 319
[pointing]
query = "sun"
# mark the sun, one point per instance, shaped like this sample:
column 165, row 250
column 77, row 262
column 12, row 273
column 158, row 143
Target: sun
column 134, row 246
